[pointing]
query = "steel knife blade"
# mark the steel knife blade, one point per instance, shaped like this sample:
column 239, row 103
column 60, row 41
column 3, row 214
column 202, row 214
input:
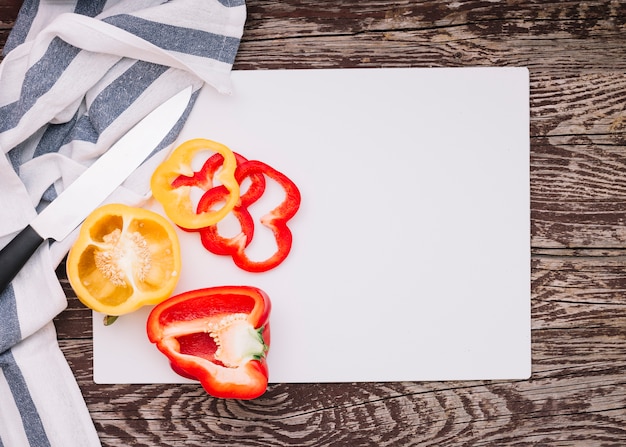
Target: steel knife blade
column 88, row 191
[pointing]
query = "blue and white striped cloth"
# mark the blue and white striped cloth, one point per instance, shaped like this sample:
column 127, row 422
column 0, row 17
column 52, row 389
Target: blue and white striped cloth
column 76, row 76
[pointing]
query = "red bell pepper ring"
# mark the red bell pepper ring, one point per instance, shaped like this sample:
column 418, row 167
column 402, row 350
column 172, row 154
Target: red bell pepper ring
column 203, row 178
column 276, row 220
column 219, row 336
column 210, row 238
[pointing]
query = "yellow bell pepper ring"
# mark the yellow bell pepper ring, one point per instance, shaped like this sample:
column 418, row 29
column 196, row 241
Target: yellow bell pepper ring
column 124, row 258
column 175, row 195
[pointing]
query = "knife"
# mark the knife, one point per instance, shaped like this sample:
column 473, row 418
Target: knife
column 88, row 191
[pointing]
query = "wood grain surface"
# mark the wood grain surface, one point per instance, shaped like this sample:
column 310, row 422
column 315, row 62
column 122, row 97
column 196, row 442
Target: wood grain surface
column 576, row 53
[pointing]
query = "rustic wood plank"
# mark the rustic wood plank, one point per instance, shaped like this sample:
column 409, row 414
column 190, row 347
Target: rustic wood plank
column 75, row 321
column 8, row 14
column 9, row 10
column 548, row 37
column 578, row 164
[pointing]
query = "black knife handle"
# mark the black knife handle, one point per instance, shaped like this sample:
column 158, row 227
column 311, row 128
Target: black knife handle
column 15, row 254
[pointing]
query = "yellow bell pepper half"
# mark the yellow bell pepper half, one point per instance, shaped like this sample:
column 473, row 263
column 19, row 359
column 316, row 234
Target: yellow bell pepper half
column 124, row 258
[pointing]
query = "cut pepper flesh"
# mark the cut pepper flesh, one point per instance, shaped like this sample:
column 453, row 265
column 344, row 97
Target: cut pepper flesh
column 219, row 336
column 124, row 258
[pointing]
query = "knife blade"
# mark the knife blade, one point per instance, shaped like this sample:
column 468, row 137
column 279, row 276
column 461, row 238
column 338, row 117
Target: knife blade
column 88, row 191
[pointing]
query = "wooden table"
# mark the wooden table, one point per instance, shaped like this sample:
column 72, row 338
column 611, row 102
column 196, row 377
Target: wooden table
column 576, row 53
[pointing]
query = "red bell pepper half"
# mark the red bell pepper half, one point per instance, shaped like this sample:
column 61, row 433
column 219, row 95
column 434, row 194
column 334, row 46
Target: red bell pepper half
column 276, row 220
column 219, row 336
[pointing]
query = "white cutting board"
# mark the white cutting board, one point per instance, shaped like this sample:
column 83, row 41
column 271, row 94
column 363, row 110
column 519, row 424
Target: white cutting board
column 411, row 253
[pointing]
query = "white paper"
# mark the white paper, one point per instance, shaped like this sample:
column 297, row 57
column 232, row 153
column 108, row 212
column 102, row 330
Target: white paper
column 411, row 253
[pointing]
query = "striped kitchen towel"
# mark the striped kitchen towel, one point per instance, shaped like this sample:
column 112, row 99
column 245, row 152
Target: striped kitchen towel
column 76, row 76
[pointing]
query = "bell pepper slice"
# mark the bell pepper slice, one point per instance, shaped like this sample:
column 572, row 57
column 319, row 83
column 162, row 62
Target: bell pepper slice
column 217, row 335
column 276, row 220
column 210, row 237
column 175, row 194
column 255, row 188
column 124, row 258
column 204, row 179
